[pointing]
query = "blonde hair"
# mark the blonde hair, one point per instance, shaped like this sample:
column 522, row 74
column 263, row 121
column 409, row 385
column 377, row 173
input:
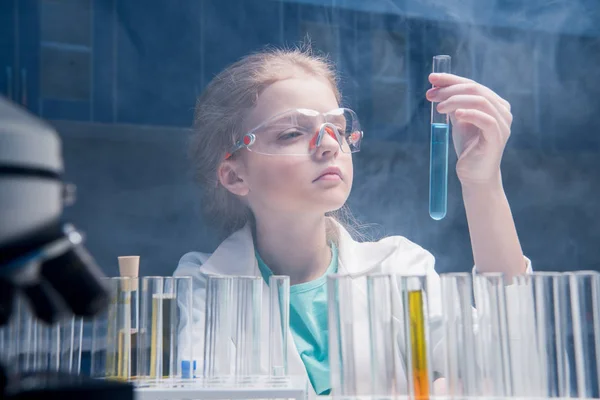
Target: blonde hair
column 222, row 108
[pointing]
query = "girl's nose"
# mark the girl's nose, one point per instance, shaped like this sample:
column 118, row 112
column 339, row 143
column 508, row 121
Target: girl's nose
column 330, row 132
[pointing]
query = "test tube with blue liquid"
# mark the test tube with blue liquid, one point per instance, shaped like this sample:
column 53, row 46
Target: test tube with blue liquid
column 438, row 157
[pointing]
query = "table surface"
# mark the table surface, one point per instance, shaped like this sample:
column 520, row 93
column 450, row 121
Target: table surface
column 292, row 387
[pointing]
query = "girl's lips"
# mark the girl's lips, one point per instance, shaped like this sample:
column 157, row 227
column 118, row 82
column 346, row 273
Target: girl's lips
column 330, row 173
column 329, row 177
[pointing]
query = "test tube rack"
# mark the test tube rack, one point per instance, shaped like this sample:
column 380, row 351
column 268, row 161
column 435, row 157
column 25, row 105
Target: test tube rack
column 293, row 387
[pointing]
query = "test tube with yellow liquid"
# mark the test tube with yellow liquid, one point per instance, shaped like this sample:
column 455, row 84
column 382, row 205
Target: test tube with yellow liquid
column 161, row 355
column 417, row 335
column 119, row 331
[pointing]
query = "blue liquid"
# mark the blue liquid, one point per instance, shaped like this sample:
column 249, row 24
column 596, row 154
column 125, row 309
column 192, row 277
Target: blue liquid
column 438, row 171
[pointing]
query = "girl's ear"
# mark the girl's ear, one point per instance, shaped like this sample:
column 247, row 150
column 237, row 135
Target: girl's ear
column 230, row 174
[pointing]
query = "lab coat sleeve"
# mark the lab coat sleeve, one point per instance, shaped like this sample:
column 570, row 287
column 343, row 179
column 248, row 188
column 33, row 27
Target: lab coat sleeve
column 191, row 326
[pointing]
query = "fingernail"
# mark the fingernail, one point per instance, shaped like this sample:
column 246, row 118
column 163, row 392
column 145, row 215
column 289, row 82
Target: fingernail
column 432, row 93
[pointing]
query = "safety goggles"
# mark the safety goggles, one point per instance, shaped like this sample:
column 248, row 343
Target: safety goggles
column 301, row 131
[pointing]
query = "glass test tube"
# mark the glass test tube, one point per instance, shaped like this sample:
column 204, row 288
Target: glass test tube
column 438, row 156
column 381, row 331
column 524, row 356
column 545, row 295
column 4, row 343
column 585, row 296
column 247, row 332
column 12, row 341
column 461, row 363
column 160, row 358
column 31, row 337
column 75, row 343
column 493, row 342
column 41, row 345
column 121, row 334
column 418, row 357
column 58, row 354
column 65, row 345
column 279, row 324
column 341, row 335
column 99, row 343
column 184, row 289
column 217, row 328
column 128, row 334
column 23, row 335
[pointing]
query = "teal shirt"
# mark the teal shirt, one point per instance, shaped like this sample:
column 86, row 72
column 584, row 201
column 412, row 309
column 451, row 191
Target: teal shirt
column 308, row 323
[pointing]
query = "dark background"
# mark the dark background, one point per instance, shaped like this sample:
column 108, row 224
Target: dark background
column 119, row 79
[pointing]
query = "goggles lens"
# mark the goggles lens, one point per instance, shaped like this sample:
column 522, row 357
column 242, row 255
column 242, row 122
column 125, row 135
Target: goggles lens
column 302, row 131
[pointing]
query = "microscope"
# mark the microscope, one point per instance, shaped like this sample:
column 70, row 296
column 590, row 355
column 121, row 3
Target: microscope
column 43, row 258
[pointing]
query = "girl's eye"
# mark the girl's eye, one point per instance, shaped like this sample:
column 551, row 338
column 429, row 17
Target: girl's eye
column 289, row 135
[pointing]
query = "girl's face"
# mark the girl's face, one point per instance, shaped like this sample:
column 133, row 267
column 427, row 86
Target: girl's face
column 290, row 183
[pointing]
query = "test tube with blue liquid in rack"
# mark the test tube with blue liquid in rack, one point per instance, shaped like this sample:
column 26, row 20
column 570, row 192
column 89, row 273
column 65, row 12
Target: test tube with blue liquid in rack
column 438, row 156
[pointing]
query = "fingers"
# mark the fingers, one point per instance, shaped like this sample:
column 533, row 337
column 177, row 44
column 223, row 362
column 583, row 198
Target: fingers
column 442, row 93
column 488, row 125
column 443, row 79
column 474, row 102
column 440, row 80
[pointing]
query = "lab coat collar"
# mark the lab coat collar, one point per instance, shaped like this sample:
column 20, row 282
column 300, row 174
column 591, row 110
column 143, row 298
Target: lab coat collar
column 235, row 255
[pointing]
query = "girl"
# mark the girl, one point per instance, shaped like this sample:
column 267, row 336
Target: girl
column 273, row 151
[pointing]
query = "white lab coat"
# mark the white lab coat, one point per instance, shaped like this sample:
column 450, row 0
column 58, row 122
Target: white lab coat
column 394, row 254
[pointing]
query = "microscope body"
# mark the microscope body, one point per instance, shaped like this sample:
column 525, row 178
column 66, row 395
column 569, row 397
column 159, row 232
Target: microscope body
column 42, row 258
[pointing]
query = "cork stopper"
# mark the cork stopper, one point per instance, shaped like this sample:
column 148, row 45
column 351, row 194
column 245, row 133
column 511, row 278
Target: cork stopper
column 129, row 266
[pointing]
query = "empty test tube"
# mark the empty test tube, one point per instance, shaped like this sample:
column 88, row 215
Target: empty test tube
column 99, row 344
column 247, row 333
column 544, row 295
column 41, row 345
column 341, row 335
column 4, row 343
column 20, row 339
column 585, row 296
column 187, row 358
column 524, row 352
column 493, row 342
column 381, row 331
column 438, row 156
column 65, row 340
column 218, row 328
column 12, row 343
column 457, row 311
column 28, row 340
column 23, row 336
column 279, row 322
